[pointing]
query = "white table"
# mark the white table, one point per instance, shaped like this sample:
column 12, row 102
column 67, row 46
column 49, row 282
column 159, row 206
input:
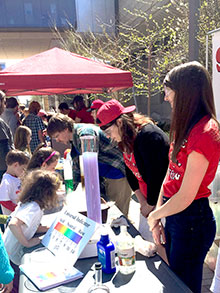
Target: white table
column 152, row 274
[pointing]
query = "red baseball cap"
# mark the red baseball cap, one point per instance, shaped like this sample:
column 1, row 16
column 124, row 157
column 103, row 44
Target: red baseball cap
column 42, row 113
column 95, row 105
column 111, row 110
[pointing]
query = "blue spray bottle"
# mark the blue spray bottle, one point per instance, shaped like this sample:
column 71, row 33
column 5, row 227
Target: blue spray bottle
column 106, row 254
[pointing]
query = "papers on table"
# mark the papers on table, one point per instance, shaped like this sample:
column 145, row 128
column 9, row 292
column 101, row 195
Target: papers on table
column 68, row 235
column 49, row 275
column 64, row 242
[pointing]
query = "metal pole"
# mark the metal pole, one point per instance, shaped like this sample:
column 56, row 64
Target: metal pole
column 194, row 6
column 149, row 82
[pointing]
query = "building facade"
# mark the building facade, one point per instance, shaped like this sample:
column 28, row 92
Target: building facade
column 26, row 29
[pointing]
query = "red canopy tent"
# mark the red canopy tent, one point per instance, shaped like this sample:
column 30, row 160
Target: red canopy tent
column 57, row 71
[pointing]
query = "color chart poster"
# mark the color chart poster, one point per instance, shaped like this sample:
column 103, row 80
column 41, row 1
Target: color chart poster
column 68, row 235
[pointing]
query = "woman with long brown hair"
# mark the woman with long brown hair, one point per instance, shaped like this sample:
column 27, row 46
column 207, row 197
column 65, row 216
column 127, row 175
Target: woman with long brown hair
column 22, row 139
column 194, row 156
column 145, row 150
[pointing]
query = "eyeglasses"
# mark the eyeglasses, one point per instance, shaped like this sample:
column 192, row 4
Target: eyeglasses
column 167, row 91
column 108, row 130
column 108, row 125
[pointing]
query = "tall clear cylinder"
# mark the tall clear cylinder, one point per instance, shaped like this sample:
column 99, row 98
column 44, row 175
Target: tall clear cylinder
column 91, row 175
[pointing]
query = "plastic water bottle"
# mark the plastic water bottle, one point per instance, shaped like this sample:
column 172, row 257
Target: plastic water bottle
column 67, row 171
column 59, row 167
column 106, row 254
column 98, row 287
column 125, row 251
column 47, row 141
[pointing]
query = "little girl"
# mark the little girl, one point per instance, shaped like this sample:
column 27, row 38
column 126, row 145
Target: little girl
column 45, row 158
column 22, row 139
column 38, row 192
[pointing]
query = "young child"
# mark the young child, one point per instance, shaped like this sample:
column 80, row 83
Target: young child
column 16, row 162
column 44, row 158
column 38, row 193
column 22, row 139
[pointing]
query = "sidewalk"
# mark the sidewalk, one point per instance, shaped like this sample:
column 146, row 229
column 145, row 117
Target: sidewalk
column 134, row 217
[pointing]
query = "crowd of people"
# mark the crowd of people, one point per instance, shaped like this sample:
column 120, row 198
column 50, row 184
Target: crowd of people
column 170, row 176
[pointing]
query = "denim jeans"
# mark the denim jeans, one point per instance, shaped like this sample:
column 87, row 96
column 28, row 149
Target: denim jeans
column 189, row 235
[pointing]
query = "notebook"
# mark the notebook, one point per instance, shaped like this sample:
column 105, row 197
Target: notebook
column 50, row 275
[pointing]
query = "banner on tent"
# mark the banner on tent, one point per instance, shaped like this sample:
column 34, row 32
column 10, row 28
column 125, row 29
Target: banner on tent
column 216, row 70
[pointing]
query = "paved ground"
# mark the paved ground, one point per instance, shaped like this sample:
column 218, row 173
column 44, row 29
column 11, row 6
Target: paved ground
column 140, row 224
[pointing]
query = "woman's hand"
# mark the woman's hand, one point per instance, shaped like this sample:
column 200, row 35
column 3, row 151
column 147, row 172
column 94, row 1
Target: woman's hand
column 145, row 209
column 144, row 206
column 152, row 222
column 6, row 288
column 159, row 234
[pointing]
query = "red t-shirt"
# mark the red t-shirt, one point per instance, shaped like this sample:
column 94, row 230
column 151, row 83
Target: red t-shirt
column 85, row 116
column 204, row 138
column 72, row 114
column 130, row 162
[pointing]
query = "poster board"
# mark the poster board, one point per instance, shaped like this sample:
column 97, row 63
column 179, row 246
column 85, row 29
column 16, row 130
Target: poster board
column 68, row 235
column 216, row 71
